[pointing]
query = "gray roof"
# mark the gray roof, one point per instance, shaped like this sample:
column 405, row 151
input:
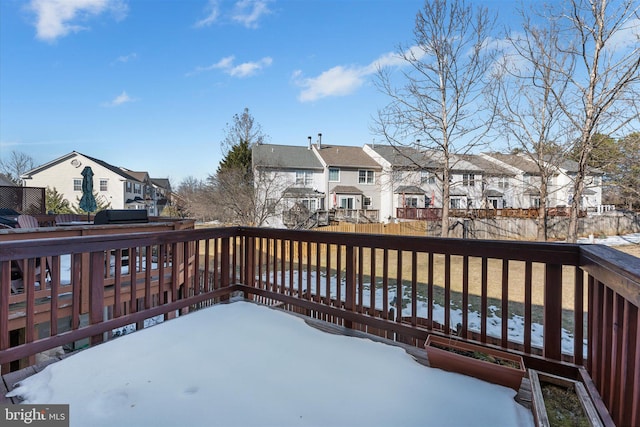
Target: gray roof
column 297, row 192
column 457, row 191
column 488, row 167
column 409, row 189
column 493, row 193
column 120, row 171
column 405, row 157
column 519, row 162
column 284, row 157
column 572, row 166
column 346, row 156
column 346, row 189
column 162, row 183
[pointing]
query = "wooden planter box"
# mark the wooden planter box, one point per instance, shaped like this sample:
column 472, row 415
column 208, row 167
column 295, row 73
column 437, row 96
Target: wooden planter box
column 477, row 361
column 539, row 379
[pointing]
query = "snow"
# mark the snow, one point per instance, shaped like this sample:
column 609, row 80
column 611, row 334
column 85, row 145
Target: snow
column 241, row 364
column 627, row 239
column 515, row 322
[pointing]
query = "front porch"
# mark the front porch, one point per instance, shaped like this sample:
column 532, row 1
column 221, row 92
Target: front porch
column 399, row 288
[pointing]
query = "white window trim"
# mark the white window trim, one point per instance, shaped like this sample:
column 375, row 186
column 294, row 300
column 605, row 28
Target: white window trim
column 367, row 173
column 334, row 180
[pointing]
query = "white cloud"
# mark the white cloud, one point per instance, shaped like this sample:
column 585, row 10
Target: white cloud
column 123, row 98
column 245, row 69
column 213, row 12
column 627, row 38
column 342, row 80
column 57, row 18
column 244, row 12
column 337, row 81
column 249, row 12
column 127, row 58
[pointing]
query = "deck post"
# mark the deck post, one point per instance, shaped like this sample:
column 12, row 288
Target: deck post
column 553, row 311
column 350, row 285
column 96, row 292
column 249, row 266
column 224, row 265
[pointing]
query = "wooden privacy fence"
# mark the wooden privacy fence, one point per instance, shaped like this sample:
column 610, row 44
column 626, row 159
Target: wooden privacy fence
column 400, row 287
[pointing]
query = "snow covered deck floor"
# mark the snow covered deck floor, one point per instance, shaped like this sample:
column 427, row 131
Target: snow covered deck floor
column 245, row 364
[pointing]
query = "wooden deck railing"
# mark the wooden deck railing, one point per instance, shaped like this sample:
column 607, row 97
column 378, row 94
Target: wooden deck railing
column 401, row 287
column 435, row 214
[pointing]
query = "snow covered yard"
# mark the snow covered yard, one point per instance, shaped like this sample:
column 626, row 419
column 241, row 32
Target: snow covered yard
column 241, row 364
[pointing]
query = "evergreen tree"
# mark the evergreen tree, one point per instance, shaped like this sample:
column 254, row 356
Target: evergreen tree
column 233, row 183
column 237, row 158
column 55, row 202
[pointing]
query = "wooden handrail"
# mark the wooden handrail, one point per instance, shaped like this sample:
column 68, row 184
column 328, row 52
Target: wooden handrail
column 118, row 279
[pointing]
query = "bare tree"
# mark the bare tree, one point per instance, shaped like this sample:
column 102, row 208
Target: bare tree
column 236, row 196
column 527, row 83
column 439, row 107
column 604, row 38
column 243, row 130
column 15, row 165
column 194, row 199
column 243, row 204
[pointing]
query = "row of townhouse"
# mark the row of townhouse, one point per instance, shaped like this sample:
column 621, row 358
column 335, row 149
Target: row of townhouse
column 119, row 187
column 377, row 183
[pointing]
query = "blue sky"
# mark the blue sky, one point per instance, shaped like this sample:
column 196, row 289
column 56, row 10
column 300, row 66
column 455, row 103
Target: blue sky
column 150, row 85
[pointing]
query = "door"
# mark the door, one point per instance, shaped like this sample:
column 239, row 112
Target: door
column 347, row 202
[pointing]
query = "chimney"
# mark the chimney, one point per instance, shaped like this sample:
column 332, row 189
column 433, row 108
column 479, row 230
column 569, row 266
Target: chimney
column 309, row 147
column 319, row 141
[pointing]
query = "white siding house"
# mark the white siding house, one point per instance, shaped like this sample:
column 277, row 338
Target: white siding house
column 118, row 187
column 352, row 181
column 290, row 180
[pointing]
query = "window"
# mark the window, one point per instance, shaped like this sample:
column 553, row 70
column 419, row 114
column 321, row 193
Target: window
column 346, row 202
column 468, row 180
column 456, row 203
column 304, row 178
column 334, row 174
column 77, row 185
column 103, row 185
column 366, row 202
column 365, row 177
column 309, row 204
column 128, row 187
column 503, row 182
column 535, row 202
column 137, row 189
column 271, row 206
column 427, row 177
column 411, row 202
